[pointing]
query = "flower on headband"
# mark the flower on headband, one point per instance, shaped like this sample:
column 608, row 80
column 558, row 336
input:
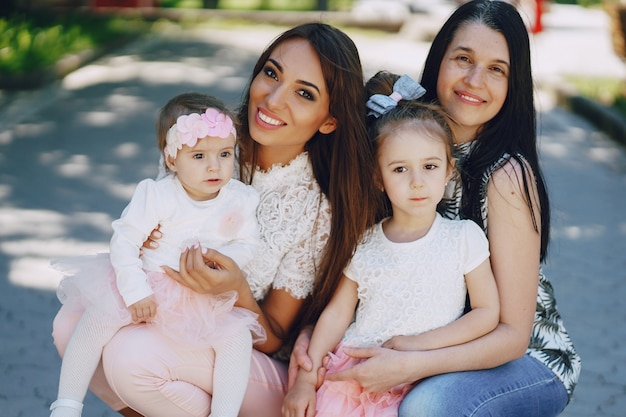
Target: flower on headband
column 219, row 124
column 189, row 128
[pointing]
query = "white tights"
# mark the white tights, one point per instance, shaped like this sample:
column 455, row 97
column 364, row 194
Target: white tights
column 81, row 358
column 92, row 333
column 230, row 375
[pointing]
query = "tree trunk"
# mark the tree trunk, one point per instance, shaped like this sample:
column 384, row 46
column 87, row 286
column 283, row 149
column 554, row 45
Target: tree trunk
column 617, row 19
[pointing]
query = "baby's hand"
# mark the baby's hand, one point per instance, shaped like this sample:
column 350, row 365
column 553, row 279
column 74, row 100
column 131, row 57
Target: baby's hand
column 143, row 310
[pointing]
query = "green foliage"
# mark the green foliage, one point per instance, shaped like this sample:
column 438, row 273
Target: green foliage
column 620, row 105
column 28, row 44
column 608, row 91
column 604, row 90
column 181, row 4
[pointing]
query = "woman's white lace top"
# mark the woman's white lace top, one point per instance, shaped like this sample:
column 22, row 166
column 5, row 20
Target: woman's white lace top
column 294, row 221
column 409, row 288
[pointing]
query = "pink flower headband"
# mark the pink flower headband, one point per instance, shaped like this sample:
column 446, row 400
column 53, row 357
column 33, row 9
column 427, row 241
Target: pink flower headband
column 189, row 128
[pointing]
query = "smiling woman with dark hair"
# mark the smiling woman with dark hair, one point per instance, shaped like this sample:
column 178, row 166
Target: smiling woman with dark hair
column 479, row 70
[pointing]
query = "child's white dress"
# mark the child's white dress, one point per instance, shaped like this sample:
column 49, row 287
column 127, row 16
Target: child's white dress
column 403, row 289
column 109, row 283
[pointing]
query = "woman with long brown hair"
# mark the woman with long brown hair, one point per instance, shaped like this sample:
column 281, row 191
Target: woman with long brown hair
column 304, row 148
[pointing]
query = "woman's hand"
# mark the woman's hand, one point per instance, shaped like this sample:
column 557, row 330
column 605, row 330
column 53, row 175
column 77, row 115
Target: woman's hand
column 381, row 369
column 152, row 241
column 207, row 272
column 300, row 359
column 211, row 272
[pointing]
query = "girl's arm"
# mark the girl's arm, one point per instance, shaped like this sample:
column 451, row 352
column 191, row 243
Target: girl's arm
column 332, row 324
column 515, row 247
column 139, row 217
column 482, row 319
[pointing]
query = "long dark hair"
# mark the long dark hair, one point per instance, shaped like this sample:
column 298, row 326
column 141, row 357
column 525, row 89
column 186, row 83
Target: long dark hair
column 343, row 161
column 513, row 129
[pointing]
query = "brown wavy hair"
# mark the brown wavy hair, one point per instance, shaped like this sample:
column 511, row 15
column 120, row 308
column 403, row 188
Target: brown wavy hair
column 343, row 161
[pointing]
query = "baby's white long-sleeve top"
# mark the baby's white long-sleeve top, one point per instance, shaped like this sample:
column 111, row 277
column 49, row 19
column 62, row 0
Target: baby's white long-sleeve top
column 226, row 223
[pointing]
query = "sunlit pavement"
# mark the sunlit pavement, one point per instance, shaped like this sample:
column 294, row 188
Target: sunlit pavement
column 71, row 154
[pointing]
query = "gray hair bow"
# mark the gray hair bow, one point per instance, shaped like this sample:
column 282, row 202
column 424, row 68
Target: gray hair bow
column 405, row 88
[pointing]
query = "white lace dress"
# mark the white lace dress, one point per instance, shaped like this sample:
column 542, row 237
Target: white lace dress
column 409, row 288
column 404, row 289
column 294, row 221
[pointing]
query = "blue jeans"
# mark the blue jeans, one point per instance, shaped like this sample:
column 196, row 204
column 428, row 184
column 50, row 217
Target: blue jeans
column 522, row 388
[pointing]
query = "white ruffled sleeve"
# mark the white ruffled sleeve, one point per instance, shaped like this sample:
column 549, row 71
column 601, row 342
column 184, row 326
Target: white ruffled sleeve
column 296, row 274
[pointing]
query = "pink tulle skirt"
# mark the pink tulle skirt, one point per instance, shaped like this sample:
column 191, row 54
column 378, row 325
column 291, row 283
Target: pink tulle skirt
column 349, row 399
column 196, row 320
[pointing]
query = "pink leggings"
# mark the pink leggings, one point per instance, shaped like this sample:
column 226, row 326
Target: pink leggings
column 155, row 376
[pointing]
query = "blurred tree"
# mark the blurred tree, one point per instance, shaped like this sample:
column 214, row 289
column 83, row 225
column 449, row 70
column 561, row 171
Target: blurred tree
column 209, row 4
column 322, row 4
column 617, row 26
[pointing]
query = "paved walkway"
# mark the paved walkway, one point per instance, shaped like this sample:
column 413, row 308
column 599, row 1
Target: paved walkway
column 71, row 154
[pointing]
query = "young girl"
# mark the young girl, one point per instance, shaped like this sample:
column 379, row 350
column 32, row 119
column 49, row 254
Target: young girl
column 196, row 204
column 410, row 275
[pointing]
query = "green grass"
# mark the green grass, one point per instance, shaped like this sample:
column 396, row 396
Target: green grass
column 28, row 44
column 608, row 91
